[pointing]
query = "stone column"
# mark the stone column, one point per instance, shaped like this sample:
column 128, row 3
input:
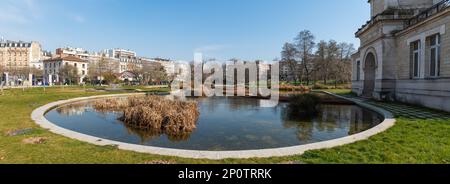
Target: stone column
column 30, row 79
column 6, row 79
column 50, row 80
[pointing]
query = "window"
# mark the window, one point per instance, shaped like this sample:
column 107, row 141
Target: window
column 415, row 59
column 358, row 70
column 435, row 52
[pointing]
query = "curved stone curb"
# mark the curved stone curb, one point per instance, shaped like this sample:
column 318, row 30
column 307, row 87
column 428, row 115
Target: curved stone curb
column 39, row 118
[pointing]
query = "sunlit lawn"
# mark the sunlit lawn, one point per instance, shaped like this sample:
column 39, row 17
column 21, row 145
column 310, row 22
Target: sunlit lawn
column 410, row 141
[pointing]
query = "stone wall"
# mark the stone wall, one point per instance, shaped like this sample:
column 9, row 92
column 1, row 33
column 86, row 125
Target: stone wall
column 379, row 6
column 426, row 91
column 439, row 25
column 392, row 50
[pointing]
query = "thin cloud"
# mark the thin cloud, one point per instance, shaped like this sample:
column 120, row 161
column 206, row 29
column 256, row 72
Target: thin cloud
column 211, row 48
column 13, row 11
column 78, row 18
column 20, row 11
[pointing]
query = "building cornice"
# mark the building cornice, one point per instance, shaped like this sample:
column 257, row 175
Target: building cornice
column 430, row 19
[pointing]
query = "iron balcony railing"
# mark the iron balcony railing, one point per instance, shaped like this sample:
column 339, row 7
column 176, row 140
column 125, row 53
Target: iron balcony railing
column 392, row 15
column 437, row 8
column 406, row 15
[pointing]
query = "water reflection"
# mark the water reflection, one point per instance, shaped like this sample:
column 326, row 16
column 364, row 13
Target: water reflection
column 330, row 118
column 73, row 109
column 226, row 123
column 150, row 134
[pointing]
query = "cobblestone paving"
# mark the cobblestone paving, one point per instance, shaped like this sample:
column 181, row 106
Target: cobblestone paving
column 408, row 111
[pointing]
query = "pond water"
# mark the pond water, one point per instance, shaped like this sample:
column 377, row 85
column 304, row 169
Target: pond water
column 226, row 123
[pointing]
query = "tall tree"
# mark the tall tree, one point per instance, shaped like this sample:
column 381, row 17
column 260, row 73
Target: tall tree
column 305, row 45
column 288, row 56
column 321, row 57
column 93, row 74
column 153, row 72
column 69, row 74
column 331, row 60
column 343, row 66
column 345, row 51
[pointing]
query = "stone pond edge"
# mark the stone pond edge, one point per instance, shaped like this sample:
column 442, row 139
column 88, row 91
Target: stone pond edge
column 38, row 115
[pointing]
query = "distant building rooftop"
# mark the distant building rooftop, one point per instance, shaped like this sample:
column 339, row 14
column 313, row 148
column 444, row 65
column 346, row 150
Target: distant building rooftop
column 66, row 58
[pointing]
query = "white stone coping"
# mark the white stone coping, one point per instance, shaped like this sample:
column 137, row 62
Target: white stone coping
column 38, row 116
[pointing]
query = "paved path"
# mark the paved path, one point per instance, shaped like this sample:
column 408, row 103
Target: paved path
column 405, row 110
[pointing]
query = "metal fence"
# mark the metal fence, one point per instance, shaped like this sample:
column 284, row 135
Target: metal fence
column 437, row 8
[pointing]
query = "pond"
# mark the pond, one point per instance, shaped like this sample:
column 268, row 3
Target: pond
column 225, row 124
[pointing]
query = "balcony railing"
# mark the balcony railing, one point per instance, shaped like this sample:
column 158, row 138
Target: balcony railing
column 392, row 15
column 437, row 8
column 408, row 15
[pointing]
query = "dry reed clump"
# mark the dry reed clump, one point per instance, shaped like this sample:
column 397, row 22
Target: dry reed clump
column 111, row 104
column 155, row 114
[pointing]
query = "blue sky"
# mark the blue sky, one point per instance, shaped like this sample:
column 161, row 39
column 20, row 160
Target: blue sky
column 222, row 29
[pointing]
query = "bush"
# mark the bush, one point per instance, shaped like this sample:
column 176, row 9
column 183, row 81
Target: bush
column 340, row 86
column 287, row 87
column 304, row 105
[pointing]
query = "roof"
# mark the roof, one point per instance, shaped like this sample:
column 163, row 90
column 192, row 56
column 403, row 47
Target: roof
column 126, row 74
column 66, row 58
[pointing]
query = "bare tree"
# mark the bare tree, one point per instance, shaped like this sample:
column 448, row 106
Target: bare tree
column 305, row 45
column 331, row 60
column 69, row 74
column 153, row 73
column 320, row 64
column 93, row 72
column 288, row 55
column 345, row 51
column 102, row 69
column 343, row 66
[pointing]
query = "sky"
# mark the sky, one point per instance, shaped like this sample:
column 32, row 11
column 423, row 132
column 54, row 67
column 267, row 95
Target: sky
column 176, row 29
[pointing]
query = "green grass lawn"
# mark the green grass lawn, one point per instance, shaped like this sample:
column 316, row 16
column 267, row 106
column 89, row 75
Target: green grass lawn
column 410, row 141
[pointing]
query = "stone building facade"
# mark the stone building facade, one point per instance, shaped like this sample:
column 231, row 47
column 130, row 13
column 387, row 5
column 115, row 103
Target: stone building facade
column 53, row 66
column 19, row 54
column 405, row 53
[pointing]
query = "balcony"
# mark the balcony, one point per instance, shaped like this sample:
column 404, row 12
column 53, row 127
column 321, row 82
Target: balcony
column 392, row 15
column 408, row 16
column 435, row 9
